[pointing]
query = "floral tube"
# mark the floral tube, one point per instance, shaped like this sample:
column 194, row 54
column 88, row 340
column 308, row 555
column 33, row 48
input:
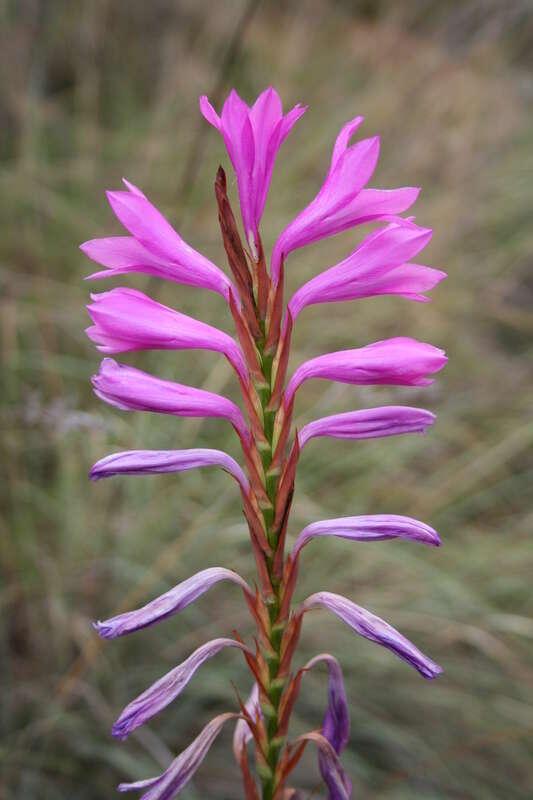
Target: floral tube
column 125, row 319
column 400, row 361
column 374, row 629
column 150, row 462
column 154, row 247
column 168, row 688
column 169, row 603
column 131, row 389
column 371, row 423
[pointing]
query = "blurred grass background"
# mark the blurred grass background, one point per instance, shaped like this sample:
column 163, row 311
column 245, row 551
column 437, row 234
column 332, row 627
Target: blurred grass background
column 96, row 90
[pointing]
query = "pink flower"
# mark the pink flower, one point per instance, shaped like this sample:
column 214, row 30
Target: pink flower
column 132, row 389
column 253, row 137
column 368, row 423
column 154, row 247
column 379, row 265
column 126, row 319
column 342, row 201
column 400, row 361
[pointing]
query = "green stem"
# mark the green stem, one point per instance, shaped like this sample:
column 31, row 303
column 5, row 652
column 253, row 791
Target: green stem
column 275, row 685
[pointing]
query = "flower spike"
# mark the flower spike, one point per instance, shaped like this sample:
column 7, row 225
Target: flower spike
column 126, row 320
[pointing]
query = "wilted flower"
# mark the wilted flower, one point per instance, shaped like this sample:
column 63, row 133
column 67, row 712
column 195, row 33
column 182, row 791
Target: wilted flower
column 127, row 320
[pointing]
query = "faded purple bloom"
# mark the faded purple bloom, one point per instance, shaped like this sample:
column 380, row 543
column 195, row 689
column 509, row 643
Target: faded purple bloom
column 368, row 423
column 132, row 389
column 400, row 361
column 337, row 781
column 375, row 528
column 150, row 462
column 341, row 203
column 168, row 688
column 253, row 137
column 336, row 724
column 167, row 604
column 154, row 247
column 172, row 781
column 126, row 319
column 378, row 266
column 243, row 733
column 375, row 629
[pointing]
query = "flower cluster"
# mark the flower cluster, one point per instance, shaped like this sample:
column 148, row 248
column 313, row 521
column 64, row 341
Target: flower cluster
column 125, row 319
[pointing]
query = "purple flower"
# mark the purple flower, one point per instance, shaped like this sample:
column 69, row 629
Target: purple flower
column 337, row 781
column 341, row 203
column 378, row 266
column 375, row 528
column 375, row 629
column 167, row 688
column 336, row 724
column 150, row 462
column 253, row 137
column 368, row 423
column 131, row 389
column 154, row 247
column 400, row 361
column 179, row 773
column 169, row 603
column 125, row 319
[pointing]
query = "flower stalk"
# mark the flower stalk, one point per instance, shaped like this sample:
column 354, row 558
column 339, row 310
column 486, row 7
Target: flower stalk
column 125, row 320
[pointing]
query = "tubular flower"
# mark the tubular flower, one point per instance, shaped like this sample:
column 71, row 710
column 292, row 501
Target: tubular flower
column 127, row 320
column 154, row 247
column 371, row 423
column 252, row 137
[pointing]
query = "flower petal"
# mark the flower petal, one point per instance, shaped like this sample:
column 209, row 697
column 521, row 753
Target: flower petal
column 377, row 527
column 154, row 248
column 179, row 773
column 168, row 688
column 375, row 629
column 132, row 389
column 126, row 319
column 337, row 781
column 336, row 724
column 378, row 266
column 351, row 168
column 253, row 137
column 150, row 462
column 169, row 603
column 400, row 361
column 368, row 423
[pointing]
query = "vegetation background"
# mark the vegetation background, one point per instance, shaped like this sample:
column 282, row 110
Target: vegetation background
column 95, row 90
